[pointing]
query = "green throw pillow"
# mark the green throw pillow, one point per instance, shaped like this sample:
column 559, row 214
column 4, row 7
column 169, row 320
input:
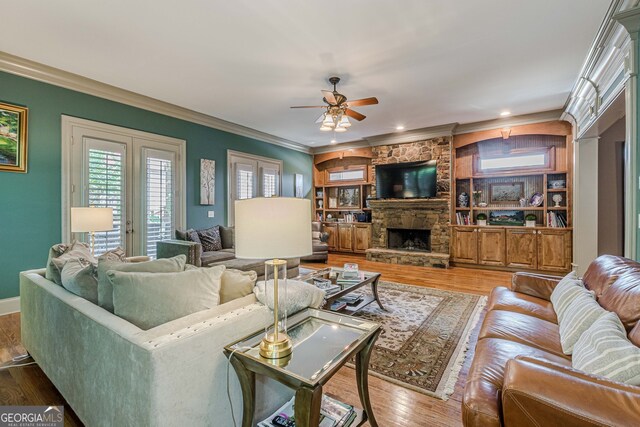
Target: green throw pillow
column 151, row 299
column 105, row 290
column 605, row 350
column 79, row 277
column 57, row 260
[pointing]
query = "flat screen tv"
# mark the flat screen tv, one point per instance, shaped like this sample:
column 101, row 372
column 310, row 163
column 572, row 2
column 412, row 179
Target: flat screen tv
column 412, row 180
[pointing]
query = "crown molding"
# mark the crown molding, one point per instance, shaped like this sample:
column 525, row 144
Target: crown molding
column 46, row 74
column 412, row 135
column 525, row 119
column 339, row 147
column 630, row 19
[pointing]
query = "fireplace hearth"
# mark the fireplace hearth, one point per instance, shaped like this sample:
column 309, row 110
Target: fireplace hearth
column 409, row 239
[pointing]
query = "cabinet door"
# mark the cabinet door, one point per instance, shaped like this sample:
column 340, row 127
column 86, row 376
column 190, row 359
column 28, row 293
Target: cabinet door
column 521, row 248
column 491, row 246
column 465, row 244
column 362, row 238
column 554, row 250
column 332, row 231
column 345, row 237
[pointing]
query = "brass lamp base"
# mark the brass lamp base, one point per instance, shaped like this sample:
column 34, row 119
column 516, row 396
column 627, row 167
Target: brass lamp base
column 276, row 347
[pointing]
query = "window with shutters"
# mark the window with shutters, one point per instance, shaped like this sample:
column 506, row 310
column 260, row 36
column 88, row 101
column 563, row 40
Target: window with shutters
column 138, row 174
column 251, row 176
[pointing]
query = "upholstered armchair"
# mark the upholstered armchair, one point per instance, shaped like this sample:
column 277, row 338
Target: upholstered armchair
column 319, row 242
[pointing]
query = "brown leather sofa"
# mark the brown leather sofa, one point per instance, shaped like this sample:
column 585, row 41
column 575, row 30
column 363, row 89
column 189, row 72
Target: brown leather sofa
column 520, row 376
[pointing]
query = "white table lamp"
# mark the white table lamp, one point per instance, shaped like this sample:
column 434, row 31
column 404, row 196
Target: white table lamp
column 276, row 228
column 90, row 220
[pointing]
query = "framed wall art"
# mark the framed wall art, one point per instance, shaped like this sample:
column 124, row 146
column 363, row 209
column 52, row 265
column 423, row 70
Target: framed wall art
column 506, row 192
column 299, row 183
column 13, row 138
column 207, row 182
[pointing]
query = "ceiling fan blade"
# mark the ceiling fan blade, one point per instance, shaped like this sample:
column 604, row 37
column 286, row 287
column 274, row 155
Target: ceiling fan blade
column 355, row 115
column 321, row 118
column 328, row 95
column 310, row 106
column 364, row 101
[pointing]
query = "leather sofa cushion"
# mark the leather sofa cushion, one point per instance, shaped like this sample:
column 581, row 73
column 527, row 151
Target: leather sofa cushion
column 522, row 328
column 482, row 392
column 634, row 335
column 208, row 258
column 502, row 298
column 623, row 298
column 603, row 271
column 319, row 246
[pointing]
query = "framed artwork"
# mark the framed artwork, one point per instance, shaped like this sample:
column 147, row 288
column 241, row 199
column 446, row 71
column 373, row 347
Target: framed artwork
column 207, row 182
column 299, row 182
column 13, row 138
column 349, row 197
column 506, row 192
column 506, row 218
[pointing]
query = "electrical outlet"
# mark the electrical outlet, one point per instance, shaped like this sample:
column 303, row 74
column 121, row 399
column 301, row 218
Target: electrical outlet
column 211, row 214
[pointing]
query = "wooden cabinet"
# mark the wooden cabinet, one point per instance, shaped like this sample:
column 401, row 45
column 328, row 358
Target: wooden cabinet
column 522, row 250
column 465, row 244
column 345, row 237
column 518, row 248
column 554, row 250
column 491, row 246
column 348, row 237
column 361, row 237
column 332, row 231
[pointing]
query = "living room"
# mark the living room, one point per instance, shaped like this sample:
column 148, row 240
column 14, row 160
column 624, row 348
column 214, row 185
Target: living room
column 428, row 173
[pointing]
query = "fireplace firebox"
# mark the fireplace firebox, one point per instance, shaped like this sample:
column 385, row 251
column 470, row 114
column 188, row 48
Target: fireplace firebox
column 409, row 239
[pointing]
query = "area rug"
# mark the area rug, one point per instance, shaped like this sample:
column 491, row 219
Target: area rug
column 425, row 336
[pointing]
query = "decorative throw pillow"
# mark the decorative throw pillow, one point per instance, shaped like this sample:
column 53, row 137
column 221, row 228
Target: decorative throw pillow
column 578, row 317
column 77, row 250
column 227, row 236
column 210, row 239
column 192, row 236
column 236, row 284
column 79, row 277
column 316, row 235
column 116, row 254
column 299, row 295
column 605, row 350
column 54, row 252
column 105, row 290
column 182, row 235
column 565, row 292
column 151, row 299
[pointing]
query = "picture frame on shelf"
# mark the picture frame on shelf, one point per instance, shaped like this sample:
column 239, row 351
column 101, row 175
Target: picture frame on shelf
column 506, row 217
column 506, row 192
column 349, row 197
column 13, row 138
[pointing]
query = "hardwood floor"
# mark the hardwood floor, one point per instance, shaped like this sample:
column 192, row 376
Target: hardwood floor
column 392, row 404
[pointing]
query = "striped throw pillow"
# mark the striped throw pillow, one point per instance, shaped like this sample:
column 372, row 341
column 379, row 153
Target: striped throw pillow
column 577, row 318
column 605, row 350
column 565, row 292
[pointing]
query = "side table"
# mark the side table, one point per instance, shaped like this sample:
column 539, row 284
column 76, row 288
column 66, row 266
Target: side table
column 322, row 343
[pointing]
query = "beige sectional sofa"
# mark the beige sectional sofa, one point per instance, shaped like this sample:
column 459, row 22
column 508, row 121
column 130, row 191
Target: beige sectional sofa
column 114, row 373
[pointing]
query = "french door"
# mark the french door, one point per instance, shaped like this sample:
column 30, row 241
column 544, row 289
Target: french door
column 137, row 174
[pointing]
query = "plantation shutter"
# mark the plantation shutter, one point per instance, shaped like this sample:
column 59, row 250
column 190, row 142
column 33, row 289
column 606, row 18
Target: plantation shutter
column 159, row 210
column 269, row 182
column 105, row 187
column 245, row 181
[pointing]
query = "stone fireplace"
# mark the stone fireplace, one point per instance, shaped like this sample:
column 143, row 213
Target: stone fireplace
column 411, row 231
column 409, row 239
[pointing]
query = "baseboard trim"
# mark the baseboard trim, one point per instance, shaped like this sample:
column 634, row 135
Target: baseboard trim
column 9, row 305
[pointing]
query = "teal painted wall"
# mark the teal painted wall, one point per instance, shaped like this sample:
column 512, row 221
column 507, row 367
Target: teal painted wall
column 30, row 217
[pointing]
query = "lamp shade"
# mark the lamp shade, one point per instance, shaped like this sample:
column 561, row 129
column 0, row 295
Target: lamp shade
column 91, row 219
column 274, row 227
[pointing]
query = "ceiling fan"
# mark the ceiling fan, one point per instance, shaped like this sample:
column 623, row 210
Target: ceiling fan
column 338, row 109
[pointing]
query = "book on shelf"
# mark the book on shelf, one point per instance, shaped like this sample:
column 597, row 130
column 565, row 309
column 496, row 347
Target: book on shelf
column 462, row 219
column 556, row 220
column 333, row 413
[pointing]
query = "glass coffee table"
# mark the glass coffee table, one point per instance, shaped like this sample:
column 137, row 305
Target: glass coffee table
column 323, row 342
column 368, row 278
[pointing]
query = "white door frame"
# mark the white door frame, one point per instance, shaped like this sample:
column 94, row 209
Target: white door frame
column 69, row 123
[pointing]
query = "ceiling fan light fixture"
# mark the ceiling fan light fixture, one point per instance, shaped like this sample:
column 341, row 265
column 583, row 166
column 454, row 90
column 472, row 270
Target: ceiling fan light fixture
column 344, row 122
column 328, row 121
column 340, row 129
column 324, row 128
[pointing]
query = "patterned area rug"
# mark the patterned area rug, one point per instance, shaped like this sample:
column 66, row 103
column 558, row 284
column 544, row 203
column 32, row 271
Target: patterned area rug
column 425, row 336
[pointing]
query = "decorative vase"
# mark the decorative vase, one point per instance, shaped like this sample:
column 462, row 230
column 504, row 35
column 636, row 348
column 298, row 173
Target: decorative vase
column 463, row 200
column 320, row 203
column 523, row 202
column 482, row 222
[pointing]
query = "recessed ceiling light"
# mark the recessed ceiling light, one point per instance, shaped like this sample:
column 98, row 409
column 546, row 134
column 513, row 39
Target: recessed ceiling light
column 399, row 127
column 333, row 141
column 505, row 113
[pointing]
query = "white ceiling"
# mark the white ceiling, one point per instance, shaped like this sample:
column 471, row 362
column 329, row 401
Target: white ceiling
column 246, row 61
